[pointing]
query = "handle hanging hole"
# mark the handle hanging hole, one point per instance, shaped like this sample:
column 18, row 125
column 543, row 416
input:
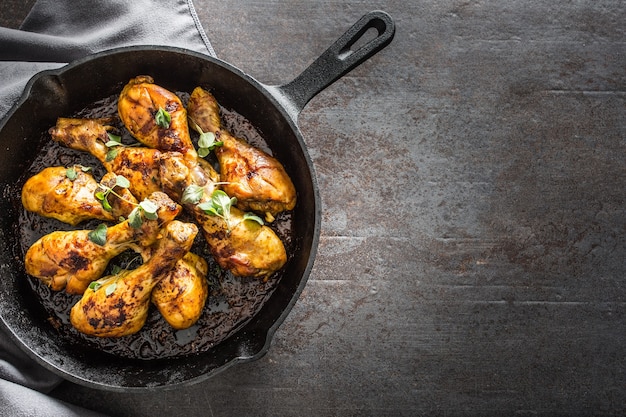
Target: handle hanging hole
column 362, row 38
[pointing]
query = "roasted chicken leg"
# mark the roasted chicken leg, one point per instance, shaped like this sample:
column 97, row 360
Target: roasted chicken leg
column 117, row 305
column 258, row 181
column 140, row 165
column 242, row 246
column 181, row 295
column 72, row 260
column 65, row 194
column 139, row 105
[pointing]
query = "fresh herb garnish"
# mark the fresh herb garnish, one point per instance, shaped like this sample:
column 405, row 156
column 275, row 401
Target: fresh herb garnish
column 145, row 209
column 207, row 140
column 102, row 196
column 253, row 217
column 206, row 143
column 114, row 140
column 162, row 118
column 98, row 235
column 110, row 288
column 112, row 144
column 219, row 205
column 95, row 285
column 72, row 174
column 192, row 194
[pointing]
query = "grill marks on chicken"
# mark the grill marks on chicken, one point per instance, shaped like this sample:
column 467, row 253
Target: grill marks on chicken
column 118, row 305
column 258, row 181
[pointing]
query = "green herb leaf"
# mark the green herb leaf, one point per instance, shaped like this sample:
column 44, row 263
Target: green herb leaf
column 106, row 205
column 206, row 143
column 110, row 288
column 114, row 140
column 206, row 140
column 98, row 235
column 122, row 181
column 208, row 208
column 203, row 152
column 71, row 173
column 162, row 118
column 192, row 194
column 253, row 217
column 134, row 218
column 222, row 201
column 84, row 168
column 219, row 205
column 94, row 285
column 111, row 155
column 149, row 209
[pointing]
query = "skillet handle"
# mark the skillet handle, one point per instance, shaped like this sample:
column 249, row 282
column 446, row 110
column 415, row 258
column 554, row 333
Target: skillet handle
column 336, row 61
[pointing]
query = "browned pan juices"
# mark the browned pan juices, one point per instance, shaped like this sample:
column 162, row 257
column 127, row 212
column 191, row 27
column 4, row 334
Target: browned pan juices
column 232, row 300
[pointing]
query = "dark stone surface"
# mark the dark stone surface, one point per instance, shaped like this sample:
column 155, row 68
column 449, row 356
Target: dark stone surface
column 473, row 181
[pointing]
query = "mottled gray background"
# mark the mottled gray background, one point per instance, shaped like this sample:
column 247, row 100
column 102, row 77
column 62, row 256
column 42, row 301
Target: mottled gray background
column 473, row 250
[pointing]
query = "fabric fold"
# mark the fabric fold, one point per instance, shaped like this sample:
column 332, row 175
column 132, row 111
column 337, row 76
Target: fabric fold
column 57, row 32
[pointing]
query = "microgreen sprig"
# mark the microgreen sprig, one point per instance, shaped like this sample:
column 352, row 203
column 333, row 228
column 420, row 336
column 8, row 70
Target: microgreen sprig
column 207, row 140
column 102, row 196
column 72, row 174
column 145, row 209
column 219, row 205
column 113, row 142
column 163, row 118
column 110, row 288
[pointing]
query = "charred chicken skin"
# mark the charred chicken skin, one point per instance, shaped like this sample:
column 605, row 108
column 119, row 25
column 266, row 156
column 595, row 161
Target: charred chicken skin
column 241, row 246
column 140, row 165
column 117, row 305
column 258, row 181
column 72, row 260
column 181, row 295
column 139, row 105
column 65, row 194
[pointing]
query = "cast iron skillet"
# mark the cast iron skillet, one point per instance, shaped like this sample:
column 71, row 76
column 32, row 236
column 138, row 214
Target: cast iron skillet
column 271, row 109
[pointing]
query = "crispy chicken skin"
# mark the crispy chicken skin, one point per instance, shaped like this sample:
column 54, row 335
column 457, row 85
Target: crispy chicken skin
column 181, row 295
column 88, row 135
column 246, row 248
column 52, row 193
column 140, row 165
column 138, row 104
column 71, row 260
column 119, row 305
column 258, row 181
